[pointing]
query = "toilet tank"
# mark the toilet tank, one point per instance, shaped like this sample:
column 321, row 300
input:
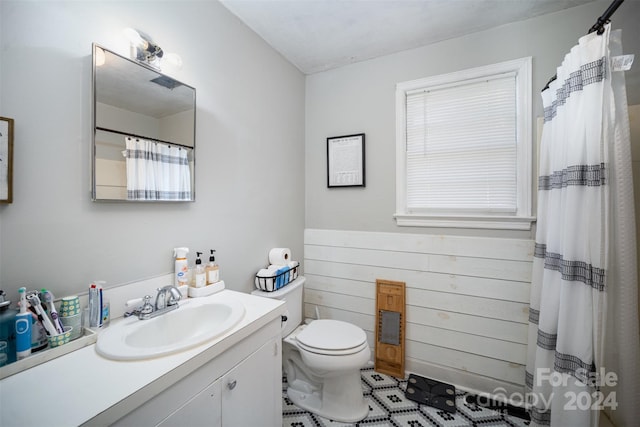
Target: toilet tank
column 291, row 294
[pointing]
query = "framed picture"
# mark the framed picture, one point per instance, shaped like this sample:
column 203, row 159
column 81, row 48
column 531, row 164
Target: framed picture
column 345, row 161
column 6, row 160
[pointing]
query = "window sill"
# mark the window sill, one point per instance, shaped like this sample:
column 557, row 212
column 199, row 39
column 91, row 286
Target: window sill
column 483, row 222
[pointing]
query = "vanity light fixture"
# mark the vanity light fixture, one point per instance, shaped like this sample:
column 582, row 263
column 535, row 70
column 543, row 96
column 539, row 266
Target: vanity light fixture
column 143, row 49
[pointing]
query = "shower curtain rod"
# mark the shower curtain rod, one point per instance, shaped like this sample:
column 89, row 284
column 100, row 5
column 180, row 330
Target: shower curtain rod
column 597, row 27
column 143, row 137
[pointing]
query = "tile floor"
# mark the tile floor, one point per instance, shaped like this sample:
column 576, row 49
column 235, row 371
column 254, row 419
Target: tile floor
column 389, row 407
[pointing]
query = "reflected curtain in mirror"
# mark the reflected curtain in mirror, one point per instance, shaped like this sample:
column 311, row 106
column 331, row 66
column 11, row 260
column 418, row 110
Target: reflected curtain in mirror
column 130, row 99
column 156, row 171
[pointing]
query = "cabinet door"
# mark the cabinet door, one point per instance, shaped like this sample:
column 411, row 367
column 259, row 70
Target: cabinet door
column 202, row 410
column 252, row 391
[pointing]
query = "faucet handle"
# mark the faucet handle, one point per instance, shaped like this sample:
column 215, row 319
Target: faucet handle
column 147, row 307
column 136, row 302
column 141, row 306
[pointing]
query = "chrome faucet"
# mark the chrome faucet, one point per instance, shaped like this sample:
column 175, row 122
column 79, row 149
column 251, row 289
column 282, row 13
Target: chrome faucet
column 166, row 301
column 174, row 295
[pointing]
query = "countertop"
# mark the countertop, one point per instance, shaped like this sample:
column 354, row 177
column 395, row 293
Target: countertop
column 84, row 387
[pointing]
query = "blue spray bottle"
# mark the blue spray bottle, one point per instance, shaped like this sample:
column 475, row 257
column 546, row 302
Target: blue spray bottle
column 23, row 327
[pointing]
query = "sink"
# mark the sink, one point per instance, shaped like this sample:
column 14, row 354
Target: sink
column 192, row 324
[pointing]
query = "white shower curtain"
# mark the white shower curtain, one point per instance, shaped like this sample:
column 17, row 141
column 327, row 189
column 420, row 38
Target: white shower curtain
column 583, row 351
column 156, row 171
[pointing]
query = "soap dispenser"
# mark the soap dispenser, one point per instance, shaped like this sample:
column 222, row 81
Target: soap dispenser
column 200, row 275
column 181, row 266
column 212, row 269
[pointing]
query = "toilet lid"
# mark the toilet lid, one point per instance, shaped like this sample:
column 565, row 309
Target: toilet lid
column 331, row 335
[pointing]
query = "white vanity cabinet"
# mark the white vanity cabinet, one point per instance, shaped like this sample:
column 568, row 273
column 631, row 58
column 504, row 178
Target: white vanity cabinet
column 204, row 409
column 248, row 395
column 240, row 387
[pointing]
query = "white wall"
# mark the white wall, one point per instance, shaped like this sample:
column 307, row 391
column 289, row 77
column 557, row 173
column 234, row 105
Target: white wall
column 127, row 121
column 249, row 167
column 466, row 298
column 341, row 277
column 176, row 127
column 360, row 98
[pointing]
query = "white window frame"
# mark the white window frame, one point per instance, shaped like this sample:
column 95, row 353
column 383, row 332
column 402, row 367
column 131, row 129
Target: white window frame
column 522, row 218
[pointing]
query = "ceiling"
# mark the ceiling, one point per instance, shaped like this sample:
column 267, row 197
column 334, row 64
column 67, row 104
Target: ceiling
column 317, row 35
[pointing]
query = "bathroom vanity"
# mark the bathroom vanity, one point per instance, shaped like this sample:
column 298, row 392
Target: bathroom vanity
column 232, row 380
column 234, row 389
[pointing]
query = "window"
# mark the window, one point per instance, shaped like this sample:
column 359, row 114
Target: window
column 463, row 148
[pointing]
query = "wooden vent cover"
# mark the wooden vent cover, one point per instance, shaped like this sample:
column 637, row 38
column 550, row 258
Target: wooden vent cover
column 390, row 327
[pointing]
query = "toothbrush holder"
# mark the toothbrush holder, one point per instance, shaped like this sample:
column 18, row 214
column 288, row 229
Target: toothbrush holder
column 60, row 339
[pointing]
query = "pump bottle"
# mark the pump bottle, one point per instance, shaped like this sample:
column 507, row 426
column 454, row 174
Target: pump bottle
column 181, row 266
column 200, row 275
column 212, row 269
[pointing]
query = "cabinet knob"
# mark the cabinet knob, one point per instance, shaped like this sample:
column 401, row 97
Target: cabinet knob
column 231, row 384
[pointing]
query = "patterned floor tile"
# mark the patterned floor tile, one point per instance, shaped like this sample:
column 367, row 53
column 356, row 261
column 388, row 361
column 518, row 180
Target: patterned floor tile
column 287, row 404
column 412, row 418
column 377, row 380
column 442, row 418
column 376, row 410
column 300, row 419
column 389, row 407
column 477, row 413
column 392, row 399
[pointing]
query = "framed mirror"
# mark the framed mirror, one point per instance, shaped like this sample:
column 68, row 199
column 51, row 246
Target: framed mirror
column 143, row 132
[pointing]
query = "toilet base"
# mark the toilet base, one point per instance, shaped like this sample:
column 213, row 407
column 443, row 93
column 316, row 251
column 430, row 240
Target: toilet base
column 338, row 399
column 313, row 403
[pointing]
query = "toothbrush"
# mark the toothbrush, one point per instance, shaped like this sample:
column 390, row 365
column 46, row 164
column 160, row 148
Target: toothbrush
column 101, row 306
column 35, row 315
column 23, row 328
column 35, row 303
column 47, row 296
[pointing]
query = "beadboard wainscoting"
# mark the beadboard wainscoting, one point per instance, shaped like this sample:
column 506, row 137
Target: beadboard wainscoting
column 467, row 299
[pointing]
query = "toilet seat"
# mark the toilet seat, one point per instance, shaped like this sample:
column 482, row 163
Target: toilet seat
column 332, row 338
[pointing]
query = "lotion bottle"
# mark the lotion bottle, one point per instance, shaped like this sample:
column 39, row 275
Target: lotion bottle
column 212, row 269
column 181, row 266
column 23, row 328
column 200, row 275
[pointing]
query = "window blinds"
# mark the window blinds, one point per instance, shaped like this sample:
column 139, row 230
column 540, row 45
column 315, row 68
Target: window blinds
column 461, row 147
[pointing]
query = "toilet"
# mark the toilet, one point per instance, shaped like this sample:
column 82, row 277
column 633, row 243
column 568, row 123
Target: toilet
column 322, row 360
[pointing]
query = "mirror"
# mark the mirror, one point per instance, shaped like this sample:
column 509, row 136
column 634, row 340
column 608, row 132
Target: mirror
column 143, row 132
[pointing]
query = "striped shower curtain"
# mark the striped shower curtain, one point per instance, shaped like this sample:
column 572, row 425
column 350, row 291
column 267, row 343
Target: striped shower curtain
column 583, row 351
column 156, row 171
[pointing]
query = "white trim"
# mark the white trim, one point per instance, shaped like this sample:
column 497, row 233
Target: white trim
column 486, row 222
column 523, row 218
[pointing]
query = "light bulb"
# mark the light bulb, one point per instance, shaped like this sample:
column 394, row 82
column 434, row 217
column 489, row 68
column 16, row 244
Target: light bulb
column 173, row 59
column 135, row 38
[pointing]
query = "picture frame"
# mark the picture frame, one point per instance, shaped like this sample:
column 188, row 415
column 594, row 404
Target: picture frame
column 346, row 161
column 6, row 160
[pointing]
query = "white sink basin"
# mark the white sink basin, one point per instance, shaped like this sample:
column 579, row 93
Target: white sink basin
column 189, row 325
